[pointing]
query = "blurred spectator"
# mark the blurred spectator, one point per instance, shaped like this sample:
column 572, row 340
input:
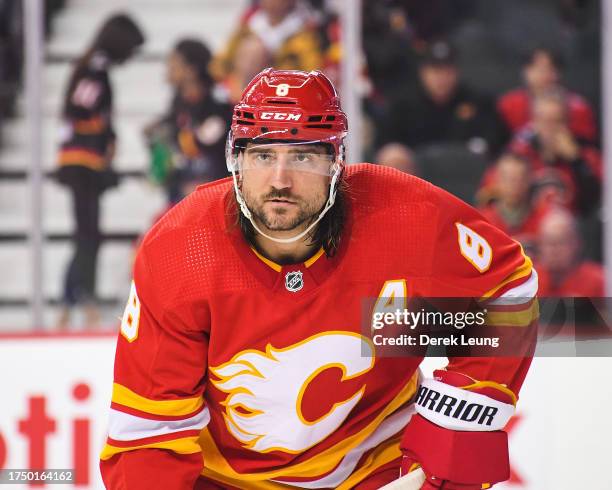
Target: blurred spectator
column 397, row 156
column 387, row 45
column 541, row 74
column 87, row 149
column 177, row 69
column 434, row 19
column 561, row 270
column 442, row 109
column 287, row 30
column 570, row 170
column 188, row 145
column 513, row 210
column 252, row 56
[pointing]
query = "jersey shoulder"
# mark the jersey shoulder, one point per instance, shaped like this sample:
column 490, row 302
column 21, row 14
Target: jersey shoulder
column 374, row 189
column 188, row 253
column 201, row 209
column 394, row 220
column 378, row 186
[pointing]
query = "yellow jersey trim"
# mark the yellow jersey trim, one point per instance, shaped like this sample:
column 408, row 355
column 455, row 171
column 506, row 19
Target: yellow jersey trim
column 126, row 397
column 277, row 267
column 184, row 445
column 268, row 262
column 514, row 318
column 491, row 384
column 314, row 258
column 523, row 271
column 387, row 452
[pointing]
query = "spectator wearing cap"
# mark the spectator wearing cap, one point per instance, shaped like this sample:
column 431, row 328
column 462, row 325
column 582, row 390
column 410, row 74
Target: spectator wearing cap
column 514, row 210
column 560, row 160
column 561, row 270
column 541, row 73
column 287, row 30
column 441, row 109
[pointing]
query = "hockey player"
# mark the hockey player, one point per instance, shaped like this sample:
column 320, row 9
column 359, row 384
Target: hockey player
column 241, row 361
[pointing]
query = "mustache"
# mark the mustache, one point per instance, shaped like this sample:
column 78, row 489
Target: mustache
column 280, row 194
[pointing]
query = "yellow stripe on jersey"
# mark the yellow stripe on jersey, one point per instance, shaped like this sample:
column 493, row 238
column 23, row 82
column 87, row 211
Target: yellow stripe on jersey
column 184, row 445
column 385, row 453
column 521, row 318
column 523, row 271
column 268, row 262
column 491, row 384
column 254, row 485
column 320, row 464
column 126, row 397
column 273, row 265
column 314, row 258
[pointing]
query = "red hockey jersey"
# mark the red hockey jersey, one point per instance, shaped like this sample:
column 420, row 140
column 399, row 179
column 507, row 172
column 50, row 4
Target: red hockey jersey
column 257, row 375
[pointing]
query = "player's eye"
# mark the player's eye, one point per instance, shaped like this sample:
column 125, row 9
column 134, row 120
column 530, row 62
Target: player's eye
column 304, row 160
column 263, row 157
column 302, row 157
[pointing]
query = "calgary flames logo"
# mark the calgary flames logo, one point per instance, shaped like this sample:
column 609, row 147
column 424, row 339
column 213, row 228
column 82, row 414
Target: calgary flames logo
column 264, row 407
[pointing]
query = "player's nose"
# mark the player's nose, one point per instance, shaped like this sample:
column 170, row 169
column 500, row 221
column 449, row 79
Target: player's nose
column 281, row 177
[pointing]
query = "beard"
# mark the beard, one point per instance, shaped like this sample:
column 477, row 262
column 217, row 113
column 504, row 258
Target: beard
column 301, row 213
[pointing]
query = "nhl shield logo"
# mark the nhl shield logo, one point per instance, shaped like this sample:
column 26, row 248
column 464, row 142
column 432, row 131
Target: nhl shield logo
column 294, row 281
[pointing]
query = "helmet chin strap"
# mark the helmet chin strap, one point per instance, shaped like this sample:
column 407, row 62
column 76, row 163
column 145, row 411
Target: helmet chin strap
column 247, row 212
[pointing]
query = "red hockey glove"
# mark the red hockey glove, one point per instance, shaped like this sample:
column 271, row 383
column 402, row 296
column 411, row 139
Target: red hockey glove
column 456, row 435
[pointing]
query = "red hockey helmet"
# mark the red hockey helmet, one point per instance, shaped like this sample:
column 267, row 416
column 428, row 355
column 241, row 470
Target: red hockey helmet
column 288, row 106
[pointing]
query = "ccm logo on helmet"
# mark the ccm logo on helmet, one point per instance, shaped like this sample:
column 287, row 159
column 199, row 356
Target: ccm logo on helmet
column 280, row 116
column 452, row 407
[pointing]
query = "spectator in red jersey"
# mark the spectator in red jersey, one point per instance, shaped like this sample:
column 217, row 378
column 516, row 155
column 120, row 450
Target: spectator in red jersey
column 541, row 74
column 557, row 155
column 562, row 272
column 398, row 156
column 514, row 210
column 565, row 171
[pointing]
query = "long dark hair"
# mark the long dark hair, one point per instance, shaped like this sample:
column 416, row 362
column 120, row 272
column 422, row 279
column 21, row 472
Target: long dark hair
column 118, row 37
column 197, row 55
column 326, row 234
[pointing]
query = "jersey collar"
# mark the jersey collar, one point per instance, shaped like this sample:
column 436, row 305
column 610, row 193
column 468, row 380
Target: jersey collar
column 291, row 279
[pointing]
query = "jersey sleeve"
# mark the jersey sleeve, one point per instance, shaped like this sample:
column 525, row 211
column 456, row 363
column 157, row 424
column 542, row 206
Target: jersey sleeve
column 477, row 260
column 157, row 409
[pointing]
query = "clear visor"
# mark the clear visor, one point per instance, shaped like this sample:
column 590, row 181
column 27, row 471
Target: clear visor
column 312, row 157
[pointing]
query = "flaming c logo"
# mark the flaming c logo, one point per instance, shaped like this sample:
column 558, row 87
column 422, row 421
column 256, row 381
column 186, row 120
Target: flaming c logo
column 263, row 409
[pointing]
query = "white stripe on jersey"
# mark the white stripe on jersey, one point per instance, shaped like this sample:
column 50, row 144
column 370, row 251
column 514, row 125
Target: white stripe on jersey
column 125, row 427
column 523, row 293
